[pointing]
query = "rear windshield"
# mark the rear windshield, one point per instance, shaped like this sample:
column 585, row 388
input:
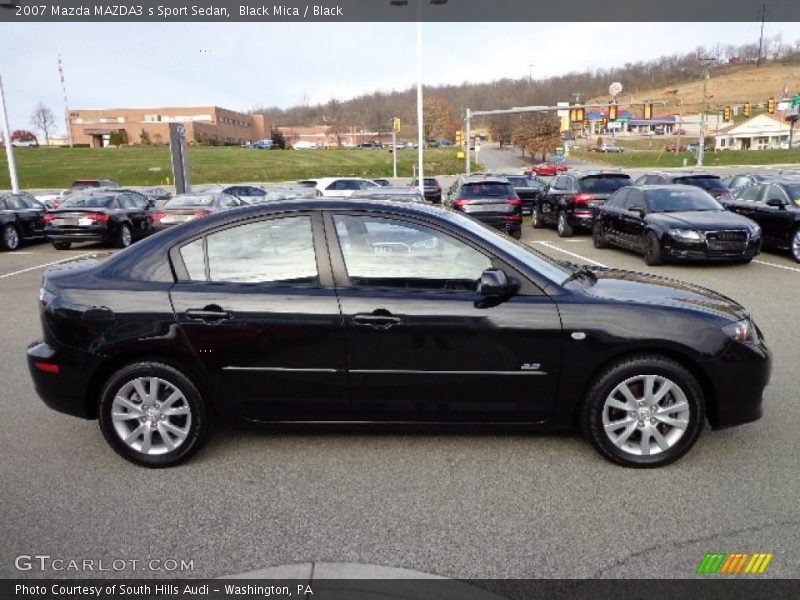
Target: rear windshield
column 428, row 182
column 87, row 201
column 519, row 181
column 490, row 189
column 82, row 185
column 199, row 200
column 705, row 182
column 604, row 183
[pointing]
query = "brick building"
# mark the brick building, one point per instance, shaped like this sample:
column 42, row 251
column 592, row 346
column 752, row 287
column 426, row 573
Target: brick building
column 204, row 125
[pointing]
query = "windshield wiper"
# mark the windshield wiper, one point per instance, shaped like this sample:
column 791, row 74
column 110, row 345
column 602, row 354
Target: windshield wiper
column 580, row 272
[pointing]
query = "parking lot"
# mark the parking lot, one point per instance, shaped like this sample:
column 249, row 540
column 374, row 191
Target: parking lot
column 462, row 504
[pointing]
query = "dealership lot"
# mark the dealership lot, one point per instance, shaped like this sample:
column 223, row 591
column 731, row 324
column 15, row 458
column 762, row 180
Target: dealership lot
column 460, row 504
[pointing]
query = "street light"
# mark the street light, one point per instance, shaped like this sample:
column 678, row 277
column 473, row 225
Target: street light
column 420, row 130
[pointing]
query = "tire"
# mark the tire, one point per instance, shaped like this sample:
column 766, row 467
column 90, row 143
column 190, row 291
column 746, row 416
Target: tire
column 124, row 236
column 650, row 433
column 155, row 439
column 599, row 236
column 536, row 220
column 10, row 238
column 652, row 250
column 562, row 226
column 516, row 234
column 794, row 247
column 62, row 245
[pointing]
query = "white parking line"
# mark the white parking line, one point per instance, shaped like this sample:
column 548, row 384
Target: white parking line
column 55, row 262
column 769, row 264
column 588, row 260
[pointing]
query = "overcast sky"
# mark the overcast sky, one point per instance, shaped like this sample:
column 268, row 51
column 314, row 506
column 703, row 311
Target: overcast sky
column 240, row 66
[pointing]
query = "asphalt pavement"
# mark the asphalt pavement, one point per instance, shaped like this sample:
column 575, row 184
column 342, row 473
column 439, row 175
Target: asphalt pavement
column 455, row 504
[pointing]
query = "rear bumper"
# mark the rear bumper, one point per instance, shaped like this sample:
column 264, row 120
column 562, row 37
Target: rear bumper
column 66, row 390
column 83, row 234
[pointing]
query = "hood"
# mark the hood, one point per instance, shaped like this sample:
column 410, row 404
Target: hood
column 702, row 220
column 630, row 286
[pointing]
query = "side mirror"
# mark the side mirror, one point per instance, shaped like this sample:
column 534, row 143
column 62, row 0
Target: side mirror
column 495, row 284
column 151, row 203
column 775, row 202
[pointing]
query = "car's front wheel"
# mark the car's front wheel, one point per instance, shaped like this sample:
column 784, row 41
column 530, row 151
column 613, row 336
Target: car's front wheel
column 536, row 219
column 653, row 256
column 599, row 236
column 795, row 249
column 153, row 415
column 644, row 411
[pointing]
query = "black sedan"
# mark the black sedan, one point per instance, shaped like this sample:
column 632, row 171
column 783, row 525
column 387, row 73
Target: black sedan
column 675, row 222
column 187, row 207
column 113, row 215
column 528, row 188
column 381, row 312
column 775, row 206
column 21, row 218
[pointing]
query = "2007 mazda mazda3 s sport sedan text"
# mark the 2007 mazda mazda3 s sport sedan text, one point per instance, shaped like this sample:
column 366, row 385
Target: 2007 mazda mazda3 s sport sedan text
column 371, row 311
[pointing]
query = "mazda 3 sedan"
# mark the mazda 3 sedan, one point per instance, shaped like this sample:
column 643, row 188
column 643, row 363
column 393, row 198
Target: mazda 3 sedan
column 331, row 310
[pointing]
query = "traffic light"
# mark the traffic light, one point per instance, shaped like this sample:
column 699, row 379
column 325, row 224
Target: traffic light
column 771, row 106
column 586, row 123
column 396, row 124
column 746, row 110
column 579, row 114
column 459, row 137
column 605, row 123
column 726, row 114
column 612, row 112
column 648, row 111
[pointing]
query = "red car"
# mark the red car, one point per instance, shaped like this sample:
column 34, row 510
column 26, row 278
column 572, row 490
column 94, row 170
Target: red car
column 675, row 148
column 545, row 169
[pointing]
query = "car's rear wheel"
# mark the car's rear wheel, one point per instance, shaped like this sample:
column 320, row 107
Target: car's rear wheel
column 153, row 415
column 562, row 226
column 62, row 245
column 652, row 250
column 10, row 238
column 536, row 219
column 124, row 236
column 599, row 236
column 795, row 249
column 645, row 411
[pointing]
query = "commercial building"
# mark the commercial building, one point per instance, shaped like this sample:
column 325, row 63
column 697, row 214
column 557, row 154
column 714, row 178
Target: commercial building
column 759, row 133
column 203, row 125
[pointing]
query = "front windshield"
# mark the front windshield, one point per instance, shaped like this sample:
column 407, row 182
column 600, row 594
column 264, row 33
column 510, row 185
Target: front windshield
column 87, row 201
column 711, row 184
column 666, row 200
column 190, row 201
column 544, row 265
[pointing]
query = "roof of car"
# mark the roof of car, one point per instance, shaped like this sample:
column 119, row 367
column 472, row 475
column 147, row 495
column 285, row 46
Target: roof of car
column 596, row 172
column 681, row 173
column 484, row 179
column 648, row 187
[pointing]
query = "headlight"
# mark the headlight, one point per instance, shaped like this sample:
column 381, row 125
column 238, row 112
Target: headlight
column 741, row 331
column 689, row 235
column 755, row 230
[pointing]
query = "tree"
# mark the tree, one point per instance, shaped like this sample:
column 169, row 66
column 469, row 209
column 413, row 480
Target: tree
column 144, row 137
column 43, row 120
column 538, row 132
column 438, row 117
column 501, row 129
column 277, row 138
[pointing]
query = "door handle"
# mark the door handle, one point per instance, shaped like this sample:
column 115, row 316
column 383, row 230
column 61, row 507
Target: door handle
column 381, row 322
column 209, row 314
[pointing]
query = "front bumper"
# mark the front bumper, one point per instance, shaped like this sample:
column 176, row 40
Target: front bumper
column 682, row 250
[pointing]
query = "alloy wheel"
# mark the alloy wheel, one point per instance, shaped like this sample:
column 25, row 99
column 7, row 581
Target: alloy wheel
column 646, row 415
column 10, row 237
column 125, row 236
column 796, row 245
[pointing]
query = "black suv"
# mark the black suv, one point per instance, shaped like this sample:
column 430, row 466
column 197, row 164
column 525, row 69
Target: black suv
column 528, row 188
column 491, row 200
column 709, row 182
column 572, row 198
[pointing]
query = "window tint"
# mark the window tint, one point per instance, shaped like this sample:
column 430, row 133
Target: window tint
column 15, row 202
column 88, row 201
column 227, row 200
column 384, row 252
column 634, row 199
column 680, row 200
column 274, row 250
column 706, row 183
column 617, row 199
column 603, row 184
column 775, row 191
column 488, row 189
column 194, row 260
column 750, row 194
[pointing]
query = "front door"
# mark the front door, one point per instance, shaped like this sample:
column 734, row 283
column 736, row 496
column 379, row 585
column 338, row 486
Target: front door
column 258, row 307
column 423, row 345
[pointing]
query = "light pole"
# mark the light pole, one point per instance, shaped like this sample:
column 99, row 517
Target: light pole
column 420, row 129
column 706, row 76
column 12, row 166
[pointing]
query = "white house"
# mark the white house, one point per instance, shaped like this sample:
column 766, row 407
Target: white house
column 759, row 133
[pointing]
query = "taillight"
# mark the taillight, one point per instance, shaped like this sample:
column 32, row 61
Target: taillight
column 46, row 297
column 49, row 217
column 202, row 213
column 459, row 203
column 513, row 218
column 582, row 198
column 514, row 202
column 157, row 216
column 46, row 367
column 98, row 217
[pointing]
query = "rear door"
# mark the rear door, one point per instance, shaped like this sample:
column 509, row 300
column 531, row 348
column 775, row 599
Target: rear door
column 422, row 345
column 257, row 304
column 777, row 223
column 631, row 223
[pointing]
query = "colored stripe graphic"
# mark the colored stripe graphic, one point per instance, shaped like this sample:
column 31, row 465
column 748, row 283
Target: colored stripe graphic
column 758, row 564
column 732, row 564
column 711, row 562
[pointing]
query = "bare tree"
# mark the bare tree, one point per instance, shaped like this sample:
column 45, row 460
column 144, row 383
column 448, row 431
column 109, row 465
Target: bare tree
column 43, row 119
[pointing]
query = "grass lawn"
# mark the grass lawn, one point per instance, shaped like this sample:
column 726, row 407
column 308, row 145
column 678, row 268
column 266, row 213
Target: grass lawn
column 710, row 159
column 58, row 167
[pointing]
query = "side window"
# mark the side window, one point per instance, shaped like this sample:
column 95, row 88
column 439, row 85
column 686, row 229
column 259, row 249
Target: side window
column 227, row 201
column 137, row 201
column 750, row 194
column 634, row 200
column 270, row 251
column 385, row 252
column 617, row 199
column 125, row 201
column 194, row 260
column 558, row 183
column 775, row 191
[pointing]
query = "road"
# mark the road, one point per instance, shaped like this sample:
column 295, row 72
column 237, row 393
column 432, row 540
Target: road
column 463, row 504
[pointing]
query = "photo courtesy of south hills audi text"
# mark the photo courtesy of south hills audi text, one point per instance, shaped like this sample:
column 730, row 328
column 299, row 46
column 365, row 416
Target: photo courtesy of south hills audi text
column 147, row 590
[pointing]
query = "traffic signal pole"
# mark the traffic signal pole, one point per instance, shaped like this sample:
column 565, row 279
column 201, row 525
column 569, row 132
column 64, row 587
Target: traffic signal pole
column 467, row 166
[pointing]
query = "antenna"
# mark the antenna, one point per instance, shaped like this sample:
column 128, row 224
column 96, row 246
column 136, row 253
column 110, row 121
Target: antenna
column 66, row 104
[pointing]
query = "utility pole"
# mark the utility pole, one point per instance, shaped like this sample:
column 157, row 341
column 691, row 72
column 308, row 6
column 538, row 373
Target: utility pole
column 66, row 104
column 530, row 75
column 706, row 76
column 12, row 166
column 763, row 12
